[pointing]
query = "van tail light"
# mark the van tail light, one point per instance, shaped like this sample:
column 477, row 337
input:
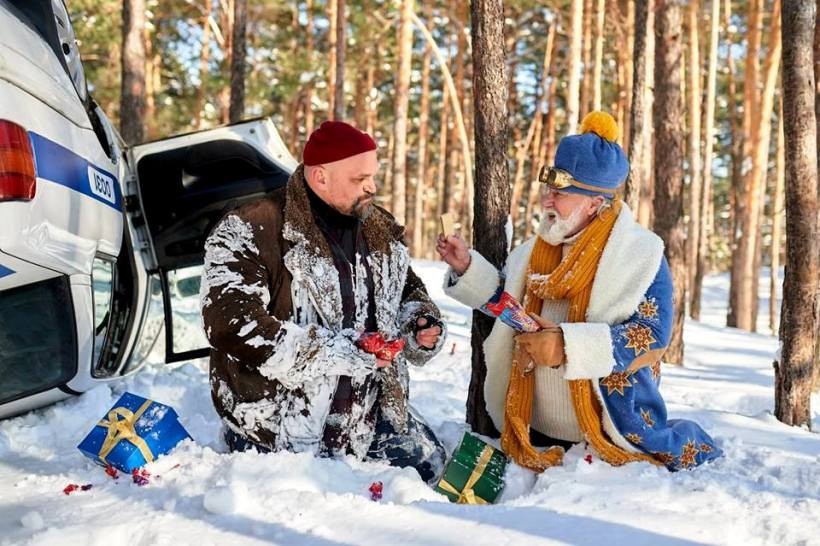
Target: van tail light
column 18, row 181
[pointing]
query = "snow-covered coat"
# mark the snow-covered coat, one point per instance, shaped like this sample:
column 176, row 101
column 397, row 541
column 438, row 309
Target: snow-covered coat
column 619, row 347
column 272, row 312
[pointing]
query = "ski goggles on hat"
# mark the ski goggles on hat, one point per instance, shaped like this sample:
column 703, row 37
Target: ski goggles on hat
column 558, row 179
column 555, row 178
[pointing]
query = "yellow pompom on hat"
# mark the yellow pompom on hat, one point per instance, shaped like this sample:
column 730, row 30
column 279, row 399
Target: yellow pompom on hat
column 593, row 158
column 602, row 124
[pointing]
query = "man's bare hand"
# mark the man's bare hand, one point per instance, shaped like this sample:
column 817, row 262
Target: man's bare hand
column 454, row 251
column 381, row 363
column 427, row 337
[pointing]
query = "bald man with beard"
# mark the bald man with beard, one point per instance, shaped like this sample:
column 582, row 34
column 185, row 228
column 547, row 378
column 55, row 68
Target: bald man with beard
column 291, row 283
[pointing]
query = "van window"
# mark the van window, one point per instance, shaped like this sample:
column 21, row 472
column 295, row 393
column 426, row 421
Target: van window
column 38, row 339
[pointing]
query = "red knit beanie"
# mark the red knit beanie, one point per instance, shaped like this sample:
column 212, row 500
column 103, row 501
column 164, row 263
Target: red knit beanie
column 335, row 140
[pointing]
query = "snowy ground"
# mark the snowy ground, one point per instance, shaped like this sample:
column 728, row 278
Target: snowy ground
column 766, row 490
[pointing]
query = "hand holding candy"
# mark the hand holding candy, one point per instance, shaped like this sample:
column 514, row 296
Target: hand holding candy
column 385, row 351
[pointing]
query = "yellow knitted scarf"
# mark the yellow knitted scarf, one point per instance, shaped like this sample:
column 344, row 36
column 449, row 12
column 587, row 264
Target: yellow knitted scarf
column 568, row 279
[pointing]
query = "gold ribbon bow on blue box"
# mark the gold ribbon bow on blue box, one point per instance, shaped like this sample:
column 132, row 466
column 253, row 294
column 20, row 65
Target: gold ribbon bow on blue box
column 158, row 432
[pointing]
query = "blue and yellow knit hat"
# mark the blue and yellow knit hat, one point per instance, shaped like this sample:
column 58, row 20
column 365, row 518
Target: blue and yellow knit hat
column 591, row 162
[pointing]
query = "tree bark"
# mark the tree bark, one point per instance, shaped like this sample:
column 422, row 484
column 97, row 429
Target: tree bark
column 708, row 153
column 492, row 201
column 535, row 125
column 204, row 55
column 638, row 170
column 574, row 72
column 424, row 135
column 238, row 54
column 405, row 43
column 133, row 95
column 760, row 151
column 669, row 144
column 600, row 12
column 341, row 48
column 692, row 241
column 332, row 17
column 309, row 47
column 646, row 210
column 743, row 293
column 777, row 222
column 586, row 80
column 793, row 372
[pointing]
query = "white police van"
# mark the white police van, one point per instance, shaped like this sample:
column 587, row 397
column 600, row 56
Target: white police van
column 91, row 233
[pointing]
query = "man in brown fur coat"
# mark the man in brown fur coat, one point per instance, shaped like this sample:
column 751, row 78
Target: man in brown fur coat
column 291, row 282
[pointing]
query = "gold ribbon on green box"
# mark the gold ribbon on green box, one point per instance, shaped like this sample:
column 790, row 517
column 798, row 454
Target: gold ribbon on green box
column 467, row 495
column 123, row 429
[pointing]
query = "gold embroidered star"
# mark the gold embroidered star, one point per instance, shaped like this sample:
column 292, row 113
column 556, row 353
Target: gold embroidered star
column 687, row 457
column 634, row 438
column 665, row 457
column 616, row 382
column 647, row 418
column 639, row 337
column 648, row 310
column 656, row 370
column 705, row 448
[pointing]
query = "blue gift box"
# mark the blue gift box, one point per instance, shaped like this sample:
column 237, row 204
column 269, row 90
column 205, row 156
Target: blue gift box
column 135, row 431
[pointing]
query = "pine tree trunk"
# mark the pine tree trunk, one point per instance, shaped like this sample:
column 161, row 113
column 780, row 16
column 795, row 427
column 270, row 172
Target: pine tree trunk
column 598, row 60
column 743, row 295
column 405, row 42
column 692, row 241
column 424, row 135
column 332, row 17
column 777, row 223
column 574, row 72
column 534, row 129
column 586, row 76
column 760, row 149
column 646, row 210
column 708, row 153
column 309, row 46
column 669, row 145
column 238, row 54
column 492, row 200
column 640, row 133
column 226, row 24
column 133, row 96
column 817, row 115
column 204, row 55
column 152, row 81
column 341, row 47
column 793, row 373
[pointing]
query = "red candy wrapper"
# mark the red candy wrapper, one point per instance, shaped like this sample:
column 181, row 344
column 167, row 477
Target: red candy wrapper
column 374, row 343
column 509, row 311
column 376, row 491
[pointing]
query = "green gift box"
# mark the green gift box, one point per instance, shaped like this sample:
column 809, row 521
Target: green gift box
column 475, row 473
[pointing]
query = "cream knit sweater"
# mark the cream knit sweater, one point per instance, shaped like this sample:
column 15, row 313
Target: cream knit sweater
column 552, row 411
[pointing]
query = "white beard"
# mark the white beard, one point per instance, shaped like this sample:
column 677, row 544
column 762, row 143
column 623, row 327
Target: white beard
column 555, row 231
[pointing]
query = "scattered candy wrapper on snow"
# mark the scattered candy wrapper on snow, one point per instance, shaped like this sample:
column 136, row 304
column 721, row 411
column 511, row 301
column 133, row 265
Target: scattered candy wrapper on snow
column 70, row 488
column 376, row 489
column 111, row 471
column 509, row 311
column 588, row 459
column 140, row 476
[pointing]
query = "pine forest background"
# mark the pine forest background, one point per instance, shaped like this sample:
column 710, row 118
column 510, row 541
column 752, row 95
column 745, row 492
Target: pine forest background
column 695, row 87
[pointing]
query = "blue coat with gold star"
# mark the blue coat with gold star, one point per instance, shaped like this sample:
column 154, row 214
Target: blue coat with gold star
column 619, row 347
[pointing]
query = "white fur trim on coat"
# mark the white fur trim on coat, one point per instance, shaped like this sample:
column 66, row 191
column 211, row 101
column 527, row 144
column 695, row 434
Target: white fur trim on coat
column 588, row 348
column 476, row 285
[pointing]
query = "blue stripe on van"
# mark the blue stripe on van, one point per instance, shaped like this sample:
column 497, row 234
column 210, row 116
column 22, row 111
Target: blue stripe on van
column 62, row 166
column 5, row 271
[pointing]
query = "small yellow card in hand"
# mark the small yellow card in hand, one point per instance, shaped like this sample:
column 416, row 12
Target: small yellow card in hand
column 447, row 224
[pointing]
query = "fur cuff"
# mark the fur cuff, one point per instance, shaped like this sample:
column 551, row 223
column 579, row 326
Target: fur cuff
column 588, row 348
column 477, row 285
